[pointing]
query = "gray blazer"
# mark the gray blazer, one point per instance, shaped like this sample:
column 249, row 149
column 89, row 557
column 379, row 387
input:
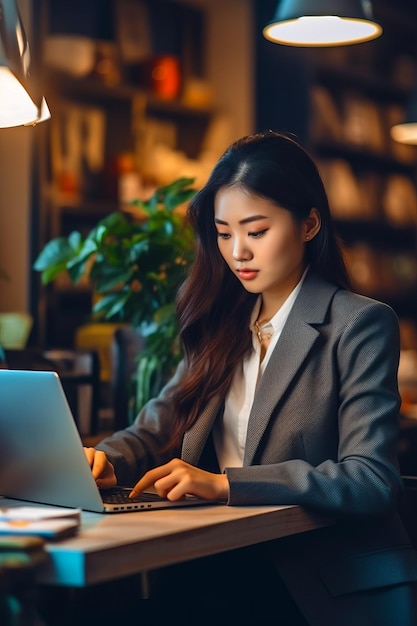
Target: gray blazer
column 322, row 433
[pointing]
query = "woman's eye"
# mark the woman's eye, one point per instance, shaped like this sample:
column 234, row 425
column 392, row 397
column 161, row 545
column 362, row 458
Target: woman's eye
column 257, row 234
column 223, row 235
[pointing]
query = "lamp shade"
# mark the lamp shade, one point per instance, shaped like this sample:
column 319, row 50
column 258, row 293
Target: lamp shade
column 317, row 23
column 21, row 101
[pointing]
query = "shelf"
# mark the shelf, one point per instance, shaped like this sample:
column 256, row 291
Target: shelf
column 92, row 90
column 363, row 157
column 69, row 290
column 348, row 77
column 400, row 302
column 80, row 205
column 378, row 232
column 82, row 88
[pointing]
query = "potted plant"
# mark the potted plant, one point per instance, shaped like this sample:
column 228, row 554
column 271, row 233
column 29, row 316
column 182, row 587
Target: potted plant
column 134, row 263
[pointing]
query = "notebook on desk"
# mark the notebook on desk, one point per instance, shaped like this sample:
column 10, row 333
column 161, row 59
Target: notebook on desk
column 41, row 453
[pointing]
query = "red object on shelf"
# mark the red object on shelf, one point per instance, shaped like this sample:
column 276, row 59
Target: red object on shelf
column 165, row 77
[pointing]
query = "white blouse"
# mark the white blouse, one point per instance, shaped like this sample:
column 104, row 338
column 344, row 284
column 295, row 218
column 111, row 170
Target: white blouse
column 229, row 432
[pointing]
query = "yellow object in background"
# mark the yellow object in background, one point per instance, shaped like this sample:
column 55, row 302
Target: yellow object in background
column 15, row 330
column 99, row 337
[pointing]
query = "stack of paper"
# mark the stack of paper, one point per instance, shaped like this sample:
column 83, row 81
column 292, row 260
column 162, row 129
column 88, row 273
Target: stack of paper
column 49, row 522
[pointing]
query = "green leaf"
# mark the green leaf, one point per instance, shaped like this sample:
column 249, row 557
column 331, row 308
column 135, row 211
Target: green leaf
column 139, row 246
column 172, row 201
column 112, row 304
column 77, row 270
column 56, row 256
column 86, row 249
column 55, row 253
column 75, row 240
column 50, row 273
column 171, row 195
column 113, row 280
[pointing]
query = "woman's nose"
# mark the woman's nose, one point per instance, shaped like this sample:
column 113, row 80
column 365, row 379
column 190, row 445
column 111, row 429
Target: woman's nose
column 240, row 250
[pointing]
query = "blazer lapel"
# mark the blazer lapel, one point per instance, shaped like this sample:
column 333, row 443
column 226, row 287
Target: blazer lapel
column 297, row 339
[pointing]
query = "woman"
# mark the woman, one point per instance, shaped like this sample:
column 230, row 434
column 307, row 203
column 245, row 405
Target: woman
column 287, row 394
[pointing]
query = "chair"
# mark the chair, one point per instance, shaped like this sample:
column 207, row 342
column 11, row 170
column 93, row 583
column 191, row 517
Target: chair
column 27, row 359
column 127, row 345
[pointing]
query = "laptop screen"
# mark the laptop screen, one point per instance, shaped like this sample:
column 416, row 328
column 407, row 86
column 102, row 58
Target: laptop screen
column 41, row 453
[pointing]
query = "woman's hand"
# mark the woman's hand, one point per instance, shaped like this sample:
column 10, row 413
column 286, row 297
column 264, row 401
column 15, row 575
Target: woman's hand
column 177, row 478
column 101, row 468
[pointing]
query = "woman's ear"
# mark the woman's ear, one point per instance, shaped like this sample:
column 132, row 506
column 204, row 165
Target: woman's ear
column 312, row 225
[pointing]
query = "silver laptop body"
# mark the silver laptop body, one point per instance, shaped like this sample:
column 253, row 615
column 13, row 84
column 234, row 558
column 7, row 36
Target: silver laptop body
column 41, row 453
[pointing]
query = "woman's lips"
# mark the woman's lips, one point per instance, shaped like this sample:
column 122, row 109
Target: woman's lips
column 247, row 274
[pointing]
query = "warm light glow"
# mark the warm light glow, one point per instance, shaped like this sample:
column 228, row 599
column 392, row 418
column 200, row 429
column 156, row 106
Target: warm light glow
column 321, row 30
column 16, row 107
column 405, row 133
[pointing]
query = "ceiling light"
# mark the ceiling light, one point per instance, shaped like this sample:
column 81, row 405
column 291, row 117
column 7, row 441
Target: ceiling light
column 406, row 132
column 322, row 23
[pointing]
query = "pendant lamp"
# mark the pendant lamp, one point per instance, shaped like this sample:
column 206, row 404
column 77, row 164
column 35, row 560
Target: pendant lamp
column 21, row 102
column 406, row 132
column 314, row 23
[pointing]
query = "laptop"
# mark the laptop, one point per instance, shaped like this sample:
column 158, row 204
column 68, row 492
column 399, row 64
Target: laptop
column 41, row 453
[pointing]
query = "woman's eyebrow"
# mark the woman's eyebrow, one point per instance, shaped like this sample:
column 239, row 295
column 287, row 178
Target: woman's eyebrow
column 245, row 220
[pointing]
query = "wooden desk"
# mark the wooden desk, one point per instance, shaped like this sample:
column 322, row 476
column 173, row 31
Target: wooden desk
column 115, row 545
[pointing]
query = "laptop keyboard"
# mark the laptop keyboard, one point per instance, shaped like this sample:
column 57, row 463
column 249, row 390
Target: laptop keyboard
column 120, row 495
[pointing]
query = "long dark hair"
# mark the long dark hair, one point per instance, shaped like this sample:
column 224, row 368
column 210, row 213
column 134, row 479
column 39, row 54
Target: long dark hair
column 213, row 307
